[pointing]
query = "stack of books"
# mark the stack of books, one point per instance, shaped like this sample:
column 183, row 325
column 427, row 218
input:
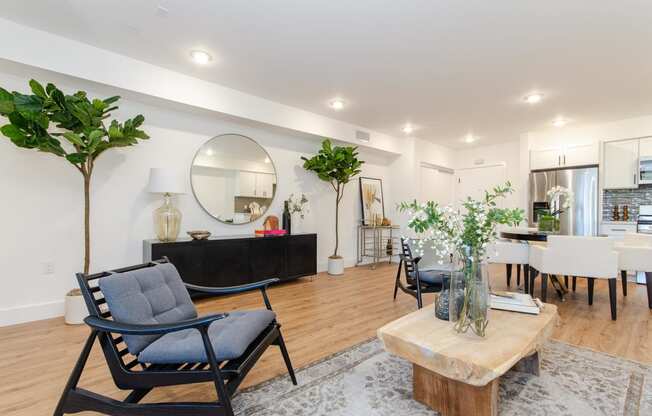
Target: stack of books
column 515, row 302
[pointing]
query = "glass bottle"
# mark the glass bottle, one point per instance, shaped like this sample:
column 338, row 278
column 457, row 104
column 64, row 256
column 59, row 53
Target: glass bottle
column 287, row 218
column 167, row 220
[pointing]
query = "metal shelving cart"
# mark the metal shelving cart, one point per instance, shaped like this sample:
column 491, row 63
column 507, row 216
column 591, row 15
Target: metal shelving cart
column 378, row 243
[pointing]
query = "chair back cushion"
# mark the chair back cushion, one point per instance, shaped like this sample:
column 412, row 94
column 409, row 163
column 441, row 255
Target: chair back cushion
column 152, row 295
column 638, row 240
column 508, row 252
column 581, row 256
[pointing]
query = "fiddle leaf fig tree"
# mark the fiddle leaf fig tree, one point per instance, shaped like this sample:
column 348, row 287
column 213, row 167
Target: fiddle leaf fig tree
column 73, row 127
column 335, row 165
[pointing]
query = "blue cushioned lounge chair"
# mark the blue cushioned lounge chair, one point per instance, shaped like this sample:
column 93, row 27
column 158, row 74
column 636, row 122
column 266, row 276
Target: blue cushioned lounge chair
column 151, row 336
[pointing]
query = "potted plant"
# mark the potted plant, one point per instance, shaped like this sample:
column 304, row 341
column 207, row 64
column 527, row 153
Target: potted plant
column 466, row 235
column 336, row 165
column 73, row 127
column 75, row 308
column 559, row 199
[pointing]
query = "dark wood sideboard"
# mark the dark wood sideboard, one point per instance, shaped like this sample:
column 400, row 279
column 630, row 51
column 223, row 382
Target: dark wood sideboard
column 236, row 260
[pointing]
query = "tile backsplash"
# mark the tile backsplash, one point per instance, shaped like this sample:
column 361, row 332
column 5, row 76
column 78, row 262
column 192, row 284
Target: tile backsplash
column 631, row 197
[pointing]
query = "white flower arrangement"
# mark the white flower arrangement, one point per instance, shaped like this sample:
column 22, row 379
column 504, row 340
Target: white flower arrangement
column 448, row 231
column 298, row 205
column 560, row 199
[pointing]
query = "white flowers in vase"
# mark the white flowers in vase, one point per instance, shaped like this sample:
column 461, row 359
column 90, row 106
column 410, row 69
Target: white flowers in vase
column 452, row 232
column 466, row 234
column 560, row 199
column 298, row 205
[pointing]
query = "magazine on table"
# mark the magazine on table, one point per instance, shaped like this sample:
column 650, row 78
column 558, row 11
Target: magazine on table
column 515, row 302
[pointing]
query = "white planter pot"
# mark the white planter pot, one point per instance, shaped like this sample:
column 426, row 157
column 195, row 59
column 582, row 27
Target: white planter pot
column 335, row 266
column 75, row 310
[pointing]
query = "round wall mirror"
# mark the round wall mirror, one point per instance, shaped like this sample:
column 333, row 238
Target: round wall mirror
column 233, row 179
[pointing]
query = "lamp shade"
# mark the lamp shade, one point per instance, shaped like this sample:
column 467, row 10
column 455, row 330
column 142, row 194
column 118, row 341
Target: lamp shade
column 165, row 181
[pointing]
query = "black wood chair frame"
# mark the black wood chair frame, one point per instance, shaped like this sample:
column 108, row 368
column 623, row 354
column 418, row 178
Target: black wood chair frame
column 415, row 287
column 612, row 282
column 129, row 374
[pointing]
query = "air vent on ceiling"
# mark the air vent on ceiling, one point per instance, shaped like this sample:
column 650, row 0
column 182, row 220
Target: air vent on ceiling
column 363, row 136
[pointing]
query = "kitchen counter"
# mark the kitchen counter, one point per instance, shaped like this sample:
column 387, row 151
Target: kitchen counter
column 630, row 222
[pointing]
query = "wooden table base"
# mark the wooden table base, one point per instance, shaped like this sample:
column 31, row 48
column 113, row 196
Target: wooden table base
column 454, row 398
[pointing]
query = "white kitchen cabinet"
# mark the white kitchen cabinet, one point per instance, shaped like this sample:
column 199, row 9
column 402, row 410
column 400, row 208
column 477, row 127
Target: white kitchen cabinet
column 581, row 155
column 620, row 167
column 568, row 157
column 545, row 159
column 246, row 184
column 255, row 184
column 645, row 149
column 264, row 185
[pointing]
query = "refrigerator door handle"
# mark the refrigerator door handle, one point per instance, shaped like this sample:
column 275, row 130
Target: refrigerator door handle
column 564, row 160
column 559, row 160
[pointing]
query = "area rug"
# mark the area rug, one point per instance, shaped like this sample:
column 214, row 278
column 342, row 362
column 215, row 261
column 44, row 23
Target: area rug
column 366, row 380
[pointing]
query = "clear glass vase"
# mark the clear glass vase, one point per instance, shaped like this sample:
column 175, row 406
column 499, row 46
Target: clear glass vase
column 549, row 223
column 469, row 295
column 167, row 221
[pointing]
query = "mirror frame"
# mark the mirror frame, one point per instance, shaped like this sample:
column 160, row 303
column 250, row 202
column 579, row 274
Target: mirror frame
column 192, row 186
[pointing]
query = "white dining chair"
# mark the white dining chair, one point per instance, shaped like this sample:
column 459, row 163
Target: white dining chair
column 589, row 257
column 510, row 253
column 635, row 254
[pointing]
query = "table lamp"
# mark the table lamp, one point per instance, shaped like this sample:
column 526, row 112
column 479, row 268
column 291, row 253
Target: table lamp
column 167, row 218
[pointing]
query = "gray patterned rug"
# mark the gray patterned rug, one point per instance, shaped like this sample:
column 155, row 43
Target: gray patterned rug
column 365, row 380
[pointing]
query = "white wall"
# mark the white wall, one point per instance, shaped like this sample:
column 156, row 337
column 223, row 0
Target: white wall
column 592, row 133
column 504, row 153
column 42, row 200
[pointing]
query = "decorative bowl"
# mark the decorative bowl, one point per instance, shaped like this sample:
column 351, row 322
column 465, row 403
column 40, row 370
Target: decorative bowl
column 199, row 234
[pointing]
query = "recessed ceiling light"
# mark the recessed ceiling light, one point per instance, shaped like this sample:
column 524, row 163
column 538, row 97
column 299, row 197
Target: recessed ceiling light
column 337, row 104
column 560, row 122
column 533, row 98
column 200, row 57
column 209, row 152
column 469, row 138
column 408, row 129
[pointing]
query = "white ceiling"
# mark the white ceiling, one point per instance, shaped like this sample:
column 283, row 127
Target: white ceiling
column 449, row 67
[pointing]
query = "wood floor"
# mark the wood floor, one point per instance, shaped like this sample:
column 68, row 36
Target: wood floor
column 320, row 316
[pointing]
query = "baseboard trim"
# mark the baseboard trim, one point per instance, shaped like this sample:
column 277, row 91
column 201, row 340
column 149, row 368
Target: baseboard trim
column 29, row 313
column 54, row 309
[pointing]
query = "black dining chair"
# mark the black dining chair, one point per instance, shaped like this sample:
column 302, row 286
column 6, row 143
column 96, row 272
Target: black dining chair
column 417, row 282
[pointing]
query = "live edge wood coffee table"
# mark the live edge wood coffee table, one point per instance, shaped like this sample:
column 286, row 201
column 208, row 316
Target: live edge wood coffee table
column 458, row 374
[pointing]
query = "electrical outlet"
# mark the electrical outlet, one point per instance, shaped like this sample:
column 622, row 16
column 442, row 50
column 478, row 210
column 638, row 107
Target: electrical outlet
column 47, row 267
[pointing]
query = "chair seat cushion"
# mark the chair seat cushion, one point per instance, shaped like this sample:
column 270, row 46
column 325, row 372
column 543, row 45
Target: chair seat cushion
column 230, row 338
column 431, row 277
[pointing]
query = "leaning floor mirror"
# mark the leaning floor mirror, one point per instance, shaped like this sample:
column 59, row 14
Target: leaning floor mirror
column 233, row 179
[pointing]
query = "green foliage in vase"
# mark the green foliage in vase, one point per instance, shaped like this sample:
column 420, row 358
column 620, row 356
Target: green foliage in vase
column 336, row 165
column 74, row 127
column 455, row 232
column 465, row 232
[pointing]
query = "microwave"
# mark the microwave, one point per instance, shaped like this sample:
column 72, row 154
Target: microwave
column 645, row 170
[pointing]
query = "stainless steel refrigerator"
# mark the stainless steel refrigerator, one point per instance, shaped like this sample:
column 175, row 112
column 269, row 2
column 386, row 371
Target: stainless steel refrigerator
column 582, row 217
